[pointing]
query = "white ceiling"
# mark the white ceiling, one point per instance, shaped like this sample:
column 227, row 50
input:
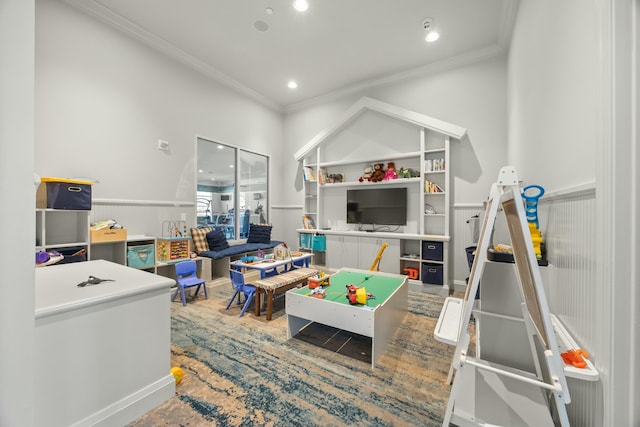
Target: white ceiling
column 333, row 47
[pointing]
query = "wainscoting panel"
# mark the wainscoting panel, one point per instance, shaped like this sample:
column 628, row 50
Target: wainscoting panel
column 461, row 238
column 582, row 304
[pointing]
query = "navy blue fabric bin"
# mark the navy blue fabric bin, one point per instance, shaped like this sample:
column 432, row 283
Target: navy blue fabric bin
column 59, row 193
column 432, row 274
column 432, row 251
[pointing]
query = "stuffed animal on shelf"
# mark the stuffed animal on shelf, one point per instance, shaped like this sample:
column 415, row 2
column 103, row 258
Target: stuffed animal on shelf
column 366, row 174
column 390, row 173
column 408, row 173
column 378, row 172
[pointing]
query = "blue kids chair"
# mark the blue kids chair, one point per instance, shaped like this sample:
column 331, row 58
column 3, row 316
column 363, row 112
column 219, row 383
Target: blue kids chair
column 237, row 281
column 186, row 278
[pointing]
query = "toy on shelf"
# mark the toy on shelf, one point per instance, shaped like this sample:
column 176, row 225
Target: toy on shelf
column 390, row 173
column 412, row 272
column 366, row 174
column 575, row 358
column 531, row 213
column 378, row 173
column 408, row 173
column 171, row 229
column 531, row 203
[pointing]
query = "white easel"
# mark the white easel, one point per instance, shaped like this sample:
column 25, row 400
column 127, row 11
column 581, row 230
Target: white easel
column 489, row 394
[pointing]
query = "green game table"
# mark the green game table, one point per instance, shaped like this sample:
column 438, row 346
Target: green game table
column 378, row 319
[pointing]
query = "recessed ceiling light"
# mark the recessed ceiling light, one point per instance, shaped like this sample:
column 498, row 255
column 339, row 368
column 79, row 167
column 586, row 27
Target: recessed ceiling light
column 269, row 11
column 292, row 84
column 432, row 36
column 300, row 5
column 220, row 147
column 231, row 166
column 200, row 171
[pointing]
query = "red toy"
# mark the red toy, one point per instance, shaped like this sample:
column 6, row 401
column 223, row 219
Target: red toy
column 351, row 294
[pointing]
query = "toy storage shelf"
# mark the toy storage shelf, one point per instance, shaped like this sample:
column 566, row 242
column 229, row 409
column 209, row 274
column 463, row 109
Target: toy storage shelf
column 397, row 182
column 58, row 228
column 383, row 133
column 365, row 161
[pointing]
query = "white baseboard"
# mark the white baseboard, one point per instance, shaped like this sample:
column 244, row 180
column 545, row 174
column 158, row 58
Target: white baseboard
column 133, row 406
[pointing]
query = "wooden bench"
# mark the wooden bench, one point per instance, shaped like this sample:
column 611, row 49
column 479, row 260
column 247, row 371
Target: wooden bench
column 278, row 284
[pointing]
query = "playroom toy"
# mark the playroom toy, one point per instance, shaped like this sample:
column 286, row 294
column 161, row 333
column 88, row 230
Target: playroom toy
column 378, row 172
column 390, row 173
column 575, row 357
column 177, row 373
column 412, row 272
column 531, row 202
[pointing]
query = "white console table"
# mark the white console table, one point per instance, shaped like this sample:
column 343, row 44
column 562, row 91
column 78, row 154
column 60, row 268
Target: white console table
column 102, row 352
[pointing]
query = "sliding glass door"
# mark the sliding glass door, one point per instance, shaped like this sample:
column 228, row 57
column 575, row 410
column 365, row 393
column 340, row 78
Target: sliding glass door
column 232, row 188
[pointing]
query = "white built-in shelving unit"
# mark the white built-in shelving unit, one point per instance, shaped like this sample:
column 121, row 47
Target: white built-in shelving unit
column 373, row 132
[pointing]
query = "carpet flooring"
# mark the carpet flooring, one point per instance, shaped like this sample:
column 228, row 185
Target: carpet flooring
column 244, row 371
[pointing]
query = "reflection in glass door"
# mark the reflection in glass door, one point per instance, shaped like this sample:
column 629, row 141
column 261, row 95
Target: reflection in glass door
column 216, row 194
column 221, row 203
column 254, row 173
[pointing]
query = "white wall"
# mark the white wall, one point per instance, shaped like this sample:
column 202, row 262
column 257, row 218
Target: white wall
column 103, row 100
column 17, row 213
column 553, row 76
column 471, row 96
column 571, row 71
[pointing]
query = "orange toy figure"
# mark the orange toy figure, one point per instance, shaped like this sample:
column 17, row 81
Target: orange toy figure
column 575, row 358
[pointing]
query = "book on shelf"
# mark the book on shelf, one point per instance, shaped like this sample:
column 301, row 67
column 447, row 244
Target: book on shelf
column 322, row 176
column 432, row 187
column 308, row 174
column 308, row 223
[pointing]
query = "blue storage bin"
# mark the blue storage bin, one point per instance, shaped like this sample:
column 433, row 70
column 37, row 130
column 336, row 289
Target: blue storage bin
column 319, row 243
column 142, row 256
column 432, row 251
column 432, row 274
column 305, row 240
column 61, row 193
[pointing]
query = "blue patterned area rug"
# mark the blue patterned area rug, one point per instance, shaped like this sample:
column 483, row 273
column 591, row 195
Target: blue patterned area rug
column 244, row 371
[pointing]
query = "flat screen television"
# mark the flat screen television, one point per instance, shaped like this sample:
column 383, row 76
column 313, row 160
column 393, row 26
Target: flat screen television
column 383, row 206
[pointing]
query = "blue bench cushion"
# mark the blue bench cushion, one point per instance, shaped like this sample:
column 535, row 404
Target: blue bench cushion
column 239, row 249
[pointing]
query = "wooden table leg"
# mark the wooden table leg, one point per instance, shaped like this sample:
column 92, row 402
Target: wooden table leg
column 269, row 297
column 256, row 297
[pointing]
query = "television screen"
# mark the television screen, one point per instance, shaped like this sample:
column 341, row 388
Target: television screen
column 225, row 197
column 387, row 206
